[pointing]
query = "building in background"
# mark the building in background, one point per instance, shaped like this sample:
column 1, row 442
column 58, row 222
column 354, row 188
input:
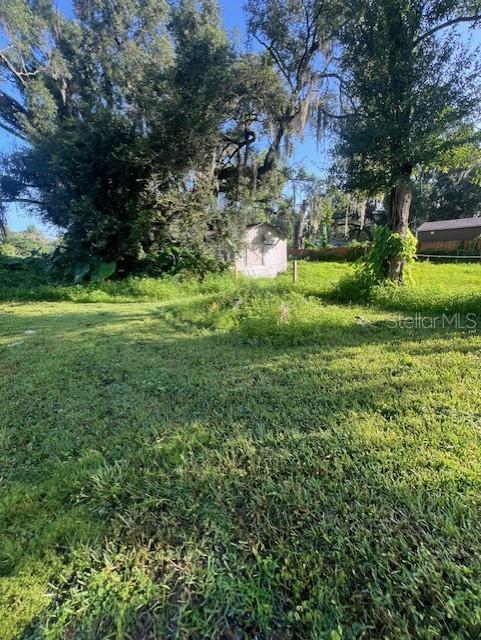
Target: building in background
column 263, row 253
column 448, row 235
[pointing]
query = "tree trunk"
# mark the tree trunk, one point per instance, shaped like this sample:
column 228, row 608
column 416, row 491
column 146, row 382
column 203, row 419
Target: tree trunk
column 346, row 220
column 300, row 226
column 400, row 205
column 273, row 154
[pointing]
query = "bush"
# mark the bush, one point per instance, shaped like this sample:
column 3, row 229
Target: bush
column 356, row 286
column 330, row 254
column 371, row 272
column 387, row 245
column 176, row 259
column 7, row 250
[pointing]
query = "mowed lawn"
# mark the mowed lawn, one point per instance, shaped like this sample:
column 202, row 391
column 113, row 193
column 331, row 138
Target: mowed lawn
column 242, row 460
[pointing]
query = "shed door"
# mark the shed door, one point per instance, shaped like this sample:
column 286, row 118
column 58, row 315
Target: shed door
column 254, row 256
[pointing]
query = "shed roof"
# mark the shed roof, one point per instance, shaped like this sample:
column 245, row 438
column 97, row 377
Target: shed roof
column 267, row 224
column 458, row 223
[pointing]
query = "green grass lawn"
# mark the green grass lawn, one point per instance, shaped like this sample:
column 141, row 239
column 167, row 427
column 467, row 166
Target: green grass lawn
column 238, row 459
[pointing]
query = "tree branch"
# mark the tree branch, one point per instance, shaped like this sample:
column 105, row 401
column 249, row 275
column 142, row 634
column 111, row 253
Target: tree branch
column 11, row 68
column 12, row 131
column 37, row 203
column 276, row 58
column 328, row 114
column 14, row 104
column 445, row 25
column 342, row 91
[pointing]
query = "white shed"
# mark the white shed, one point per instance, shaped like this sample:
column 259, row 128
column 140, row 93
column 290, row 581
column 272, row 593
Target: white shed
column 263, row 253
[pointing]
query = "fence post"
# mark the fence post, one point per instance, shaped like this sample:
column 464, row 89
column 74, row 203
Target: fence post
column 295, row 272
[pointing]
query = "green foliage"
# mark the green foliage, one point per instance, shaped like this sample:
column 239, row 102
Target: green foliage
column 102, row 271
column 385, row 246
column 80, row 271
column 112, row 133
column 415, row 95
column 356, row 244
column 413, row 98
column 185, row 260
column 7, row 250
column 455, row 193
column 29, row 277
column 373, row 269
column 96, row 271
column 23, row 243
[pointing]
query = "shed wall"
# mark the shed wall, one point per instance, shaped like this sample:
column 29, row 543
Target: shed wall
column 260, row 260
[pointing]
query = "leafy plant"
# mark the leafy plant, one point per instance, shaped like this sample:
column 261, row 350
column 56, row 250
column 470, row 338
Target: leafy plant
column 80, row 271
column 386, row 246
column 102, row 271
column 373, row 270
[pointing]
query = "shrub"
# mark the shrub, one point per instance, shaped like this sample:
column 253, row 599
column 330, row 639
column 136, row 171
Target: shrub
column 372, row 271
column 7, row 250
column 386, row 245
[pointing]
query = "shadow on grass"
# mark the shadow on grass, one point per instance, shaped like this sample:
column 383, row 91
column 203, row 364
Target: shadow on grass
column 229, row 486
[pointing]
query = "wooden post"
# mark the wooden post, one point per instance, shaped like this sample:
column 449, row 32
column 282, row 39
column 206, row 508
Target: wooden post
column 295, row 271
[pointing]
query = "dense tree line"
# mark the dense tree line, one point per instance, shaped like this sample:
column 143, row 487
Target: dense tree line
column 23, row 244
column 151, row 141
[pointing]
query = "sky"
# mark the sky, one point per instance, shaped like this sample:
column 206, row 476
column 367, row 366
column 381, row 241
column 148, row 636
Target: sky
column 306, row 152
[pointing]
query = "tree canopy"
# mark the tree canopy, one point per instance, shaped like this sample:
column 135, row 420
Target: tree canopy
column 414, row 89
column 150, row 140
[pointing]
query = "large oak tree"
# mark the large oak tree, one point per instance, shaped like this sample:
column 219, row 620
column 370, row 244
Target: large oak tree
column 414, row 90
column 119, row 112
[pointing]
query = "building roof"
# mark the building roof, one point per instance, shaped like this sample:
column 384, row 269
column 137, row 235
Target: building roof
column 443, row 225
column 267, row 224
